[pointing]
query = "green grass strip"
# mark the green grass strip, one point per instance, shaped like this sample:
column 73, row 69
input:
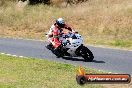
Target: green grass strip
column 38, row 73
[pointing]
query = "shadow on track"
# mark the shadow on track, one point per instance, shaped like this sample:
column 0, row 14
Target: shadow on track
column 77, row 59
column 72, row 58
column 95, row 61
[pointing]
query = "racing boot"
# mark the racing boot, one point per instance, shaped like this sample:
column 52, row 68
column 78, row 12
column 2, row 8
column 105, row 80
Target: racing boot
column 50, row 46
column 58, row 52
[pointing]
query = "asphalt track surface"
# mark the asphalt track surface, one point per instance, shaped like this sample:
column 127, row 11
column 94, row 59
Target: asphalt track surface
column 110, row 60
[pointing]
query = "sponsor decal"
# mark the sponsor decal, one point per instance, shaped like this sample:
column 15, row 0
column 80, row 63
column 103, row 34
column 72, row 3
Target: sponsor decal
column 83, row 78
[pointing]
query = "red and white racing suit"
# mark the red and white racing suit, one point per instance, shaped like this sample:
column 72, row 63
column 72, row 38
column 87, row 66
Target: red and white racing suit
column 54, row 34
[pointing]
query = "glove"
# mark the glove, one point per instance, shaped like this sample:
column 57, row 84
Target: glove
column 64, row 43
column 76, row 32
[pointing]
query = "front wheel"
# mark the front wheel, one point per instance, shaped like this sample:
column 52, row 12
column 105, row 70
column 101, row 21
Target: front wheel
column 86, row 54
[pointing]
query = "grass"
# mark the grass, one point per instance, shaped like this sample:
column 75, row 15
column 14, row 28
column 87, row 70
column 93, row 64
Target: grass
column 38, row 73
column 121, row 43
column 124, row 44
column 106, row 22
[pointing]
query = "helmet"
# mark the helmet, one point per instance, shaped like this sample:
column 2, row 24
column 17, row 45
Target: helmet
column 60, row 22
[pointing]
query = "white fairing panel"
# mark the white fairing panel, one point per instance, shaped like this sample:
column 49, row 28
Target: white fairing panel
column 73, row 41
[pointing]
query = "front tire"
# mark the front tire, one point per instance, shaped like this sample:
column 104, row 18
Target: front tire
column 86, row 54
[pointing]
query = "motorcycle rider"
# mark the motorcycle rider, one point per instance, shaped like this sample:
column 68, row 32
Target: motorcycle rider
column 54, row 33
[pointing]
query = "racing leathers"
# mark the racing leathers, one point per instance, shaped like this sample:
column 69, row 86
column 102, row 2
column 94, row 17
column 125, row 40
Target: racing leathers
column 56, row 32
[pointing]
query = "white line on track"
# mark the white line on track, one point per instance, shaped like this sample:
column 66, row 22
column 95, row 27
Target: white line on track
column 21, row 56
column 13, row 55
column 2, row 53
column 8, row 54
column 110, row 72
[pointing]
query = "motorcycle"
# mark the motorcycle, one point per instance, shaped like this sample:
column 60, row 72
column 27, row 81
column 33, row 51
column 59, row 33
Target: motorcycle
column 72, row 45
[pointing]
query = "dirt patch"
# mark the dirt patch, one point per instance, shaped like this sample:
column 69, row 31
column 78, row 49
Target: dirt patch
column 21, row 5
column 21, row 33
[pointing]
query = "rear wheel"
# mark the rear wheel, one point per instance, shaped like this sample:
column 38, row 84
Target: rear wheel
column 86, row 54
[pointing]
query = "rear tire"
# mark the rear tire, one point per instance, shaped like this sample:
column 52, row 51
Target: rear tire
column 86, row 54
